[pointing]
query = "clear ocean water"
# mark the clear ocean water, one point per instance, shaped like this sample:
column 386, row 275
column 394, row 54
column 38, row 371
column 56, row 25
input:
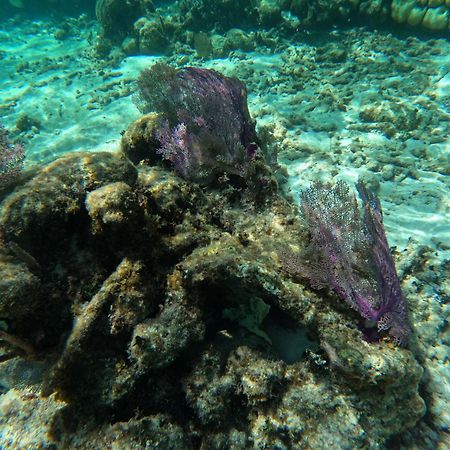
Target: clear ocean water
column 164, row 282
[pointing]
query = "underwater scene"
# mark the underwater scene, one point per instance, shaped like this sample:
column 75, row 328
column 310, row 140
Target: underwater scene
column 224, row 224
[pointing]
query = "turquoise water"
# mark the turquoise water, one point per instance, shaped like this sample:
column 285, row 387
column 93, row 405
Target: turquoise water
column 337, row 92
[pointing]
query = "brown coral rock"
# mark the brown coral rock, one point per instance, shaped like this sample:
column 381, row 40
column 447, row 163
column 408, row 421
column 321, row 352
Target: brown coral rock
column 136, row 334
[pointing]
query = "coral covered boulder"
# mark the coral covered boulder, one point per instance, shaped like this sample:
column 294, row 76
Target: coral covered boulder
column 162, row 309
column 116, row 17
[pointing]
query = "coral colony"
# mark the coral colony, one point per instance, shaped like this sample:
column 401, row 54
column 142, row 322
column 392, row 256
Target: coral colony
column 143, row 286
column 350, row 255
column 206, row 123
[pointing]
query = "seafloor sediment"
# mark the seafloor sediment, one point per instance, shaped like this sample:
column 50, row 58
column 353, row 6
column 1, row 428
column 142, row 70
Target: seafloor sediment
column 117, row 314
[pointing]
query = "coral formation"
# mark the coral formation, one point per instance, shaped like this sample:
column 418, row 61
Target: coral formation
column 133, row 25
column 139, row 26
column 431, row 14
column 151, row 303
column 325, row 11
column 332, row 99
column 116, row 17
column 145, row 269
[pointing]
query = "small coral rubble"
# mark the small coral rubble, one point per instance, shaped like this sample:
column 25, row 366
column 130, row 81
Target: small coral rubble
column 11, row 159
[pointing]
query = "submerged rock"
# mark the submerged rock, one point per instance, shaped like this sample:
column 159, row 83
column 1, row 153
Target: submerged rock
column 135, row 285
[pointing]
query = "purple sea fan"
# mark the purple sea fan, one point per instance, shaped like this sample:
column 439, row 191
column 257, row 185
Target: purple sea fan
column 350, row 255
column 391, row 314
column 175, row 146
column 11, row 159
column 211, row 111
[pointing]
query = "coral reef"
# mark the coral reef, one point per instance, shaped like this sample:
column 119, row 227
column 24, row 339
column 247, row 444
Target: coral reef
column 214, row 28
column 324, row 11
column 221, row 14
column 150, row 304
column 136, row 26
column 430, row 14
column 338, row 99
column 116, row 17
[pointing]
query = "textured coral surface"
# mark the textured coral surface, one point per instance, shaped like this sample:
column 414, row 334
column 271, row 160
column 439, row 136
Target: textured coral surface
column 123, row 316
column 430, row 14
